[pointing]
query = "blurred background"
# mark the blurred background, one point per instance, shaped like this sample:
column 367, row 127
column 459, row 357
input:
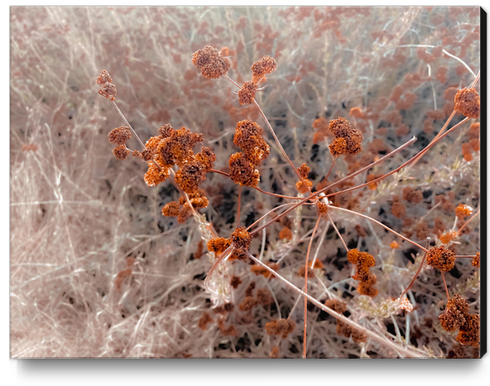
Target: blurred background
column 79, row 216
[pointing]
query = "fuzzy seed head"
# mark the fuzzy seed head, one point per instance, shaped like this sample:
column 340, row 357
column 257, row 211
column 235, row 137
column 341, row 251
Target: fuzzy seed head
column 119, row 135
column 247, row 93
column 441, row 258
column 467, row 102
column 210, row 62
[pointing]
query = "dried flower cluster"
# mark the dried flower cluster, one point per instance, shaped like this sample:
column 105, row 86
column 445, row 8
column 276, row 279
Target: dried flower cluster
column 447, row 237
column 210, row 62
column 119, row 136
column 246, row 94
column 475, row 262
column 262, row 67
column 248, row 137
column 457, row 316
column 174, row 147
column 218, row 245
column 241, row 240
column 463, row 210
column 441, row 258
column 107, row 89
column 467, row 102
column 363, row 261
column 182, row 210
column 347, row 139
column 412, row 195
column 304, row 187
column 286, row 234
column 282, row 327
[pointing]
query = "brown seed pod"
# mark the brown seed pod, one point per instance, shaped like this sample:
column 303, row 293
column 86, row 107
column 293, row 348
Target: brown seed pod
column 467, row 102
column 120, row 152
column 119, row 135
column 441, row 258
column 210, row 62
column 247, row 93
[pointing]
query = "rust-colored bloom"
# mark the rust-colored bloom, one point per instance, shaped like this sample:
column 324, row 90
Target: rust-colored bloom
column 467, row 102
column 246, row 94
column 441, row 258
column 210, row 62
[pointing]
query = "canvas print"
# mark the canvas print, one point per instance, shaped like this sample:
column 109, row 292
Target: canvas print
column 246, row 182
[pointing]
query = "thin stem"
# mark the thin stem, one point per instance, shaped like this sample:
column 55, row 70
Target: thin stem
column 283, row 152
column 445, row 285
column 232, row 81
column 269, row 212
column 336, row 315
column 338, row 233
column 127, row 122
column 467, row 222
column 461, row 61
column 278, row 195
column 381, row 224
column 476, row 80
column 260, row 190
column 238, row 211
column 329, row 171
column 220, row 172
column 415, row 277
column 306, row 285
column 435, row 138
column 322, row 237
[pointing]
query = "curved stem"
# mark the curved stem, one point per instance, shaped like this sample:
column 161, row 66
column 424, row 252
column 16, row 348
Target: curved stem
column 467, row 222
column 220, row 172
column 381, row 224
column 127, row 122
column 278, row 195
column 269, row 212
column 445, row 285
column 260, row 190
column 283, row 152
column 338, row 233
column 415, row 277
column 329, row 171
column 336, row 183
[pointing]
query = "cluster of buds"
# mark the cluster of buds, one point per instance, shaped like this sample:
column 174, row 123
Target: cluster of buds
column 363, row 262
column 107, row 89
column 210, row 62
column 457, row 316
column 347, row 139
column 243, row 165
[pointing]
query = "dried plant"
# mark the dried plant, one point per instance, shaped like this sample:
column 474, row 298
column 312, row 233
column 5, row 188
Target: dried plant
column 339, row 199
